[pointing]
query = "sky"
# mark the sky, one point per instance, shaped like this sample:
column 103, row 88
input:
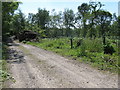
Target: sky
column 31, row 6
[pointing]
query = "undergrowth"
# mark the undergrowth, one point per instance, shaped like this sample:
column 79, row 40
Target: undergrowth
column 4, row 75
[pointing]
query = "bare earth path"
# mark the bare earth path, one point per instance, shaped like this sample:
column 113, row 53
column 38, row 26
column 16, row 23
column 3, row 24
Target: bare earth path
column 44, row 69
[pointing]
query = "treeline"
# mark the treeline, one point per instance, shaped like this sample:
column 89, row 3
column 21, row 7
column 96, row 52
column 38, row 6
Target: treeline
column 90, row 21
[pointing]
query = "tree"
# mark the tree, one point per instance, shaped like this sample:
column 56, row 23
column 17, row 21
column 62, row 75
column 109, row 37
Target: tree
column 60, row 23
column 114, row 26
column 53, row 20
column 104, row 19
column 69, row 21
column 18, row 23
column 55, row 24
column 118, row 20
column 8, row 9
column 42, row 18
column 84, row 11
column 31, row 20
column 94, row 9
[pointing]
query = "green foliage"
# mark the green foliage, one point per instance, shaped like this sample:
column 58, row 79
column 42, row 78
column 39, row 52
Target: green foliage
column 8, row 9
column 108, row 49
column 4, row 51
column 92, row 45
column 3, row 65
column 69, row 18
column 42, row 18
column 19, row 23
column 84, row 10
column 83, row 50
column 3, row 71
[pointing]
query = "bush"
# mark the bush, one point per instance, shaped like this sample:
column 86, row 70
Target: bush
column 3, row 63
column 4, row 51
column 94, row 45
column 82, row 50
column 108, row 49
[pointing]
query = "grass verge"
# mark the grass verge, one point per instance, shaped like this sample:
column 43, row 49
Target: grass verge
column 4, row 75
column 89, row 51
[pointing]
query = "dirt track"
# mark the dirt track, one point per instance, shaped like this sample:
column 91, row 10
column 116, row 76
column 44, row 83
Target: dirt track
column 39, row 68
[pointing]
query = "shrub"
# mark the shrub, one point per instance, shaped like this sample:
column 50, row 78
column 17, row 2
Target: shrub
column 94, row 45
column 83, row 50
column 108, row 49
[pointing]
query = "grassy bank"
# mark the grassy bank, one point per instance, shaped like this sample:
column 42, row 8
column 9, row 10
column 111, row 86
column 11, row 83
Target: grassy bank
column 85, row 50
column 3, row 63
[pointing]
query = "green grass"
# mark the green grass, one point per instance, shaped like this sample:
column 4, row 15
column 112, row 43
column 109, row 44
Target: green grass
column 4, row 75
column 90, row 51
column 3, row 71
